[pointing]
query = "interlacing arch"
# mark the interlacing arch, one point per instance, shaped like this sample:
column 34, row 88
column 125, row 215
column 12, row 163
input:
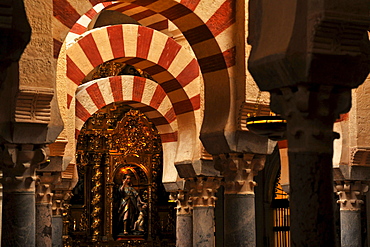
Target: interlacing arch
column 174, row 69
column 207, row 28
column 137, row 92
column 153, row 52
column 142, row 15
column 144, row 95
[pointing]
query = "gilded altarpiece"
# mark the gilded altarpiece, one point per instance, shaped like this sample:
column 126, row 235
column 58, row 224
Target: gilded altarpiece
column 120, row 200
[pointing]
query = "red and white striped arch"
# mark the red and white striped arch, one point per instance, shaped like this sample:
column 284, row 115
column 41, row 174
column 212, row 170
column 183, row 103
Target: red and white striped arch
column 138, row 92
column 150, row 98
column 208, row 26
column 199, row 20
column 144, row 16
column 81, row 25
column 171, row 65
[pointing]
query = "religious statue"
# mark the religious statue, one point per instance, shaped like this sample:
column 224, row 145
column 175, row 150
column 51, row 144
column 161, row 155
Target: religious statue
column 139, row 223
column 130, row 205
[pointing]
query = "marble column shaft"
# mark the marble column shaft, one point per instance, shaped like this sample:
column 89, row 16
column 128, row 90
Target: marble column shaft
column 202, row 196
column 309, row 75
column 311, row 199
column 311, row 113
column 57, row 231
column 184, row 219
column 44, row 208
column 350, row 211
column 240, row 222
column 184, row 230
column 43, row 225
column 20, row 161
column 58, row 208
column 350, row 228
column 18, row 227
column 203, row 227
column 239, row 203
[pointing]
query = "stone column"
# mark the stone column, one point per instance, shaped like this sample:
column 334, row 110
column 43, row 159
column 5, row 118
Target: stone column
column 57, row 231
column 184, row 219
column 1, row 202
column 310, row 72
column 44, row 210
column 19, row 164
column 239, row 203
column 311, row 112
column 59, row 197
column 350, row 212
column 202, row 196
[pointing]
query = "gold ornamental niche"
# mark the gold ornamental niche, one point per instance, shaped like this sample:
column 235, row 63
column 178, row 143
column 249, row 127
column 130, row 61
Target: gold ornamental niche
column 119, row 199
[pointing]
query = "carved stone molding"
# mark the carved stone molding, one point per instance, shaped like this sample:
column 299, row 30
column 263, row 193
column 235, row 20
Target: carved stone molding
column 33, row 105
column 57, row 148
column 202, row 190
column 360, row 156
column 349, row 192
column 182, row 199
column 19, row 164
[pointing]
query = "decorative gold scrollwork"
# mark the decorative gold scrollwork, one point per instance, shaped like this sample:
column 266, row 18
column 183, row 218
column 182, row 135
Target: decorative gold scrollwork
column 96, row 190
column 118, row 140
column 135, row 135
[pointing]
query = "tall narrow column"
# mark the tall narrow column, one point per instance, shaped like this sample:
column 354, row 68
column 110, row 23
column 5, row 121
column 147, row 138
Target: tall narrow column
column 59, row 198
column 311, row 112
column 350, row 212
column 44, row 210
column 239, row 203
column 184, row 219
column 19, row 164
column 321, row 54
column 202, row 195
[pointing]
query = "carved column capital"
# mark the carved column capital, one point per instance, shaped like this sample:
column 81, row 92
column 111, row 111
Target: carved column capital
column 349, row 192
column 19, row 164
column 202, row 190
column 239, row 170
column 182, row 199
column 43, row 192
column 310, row 110
column 44, row 185
column 59, row 199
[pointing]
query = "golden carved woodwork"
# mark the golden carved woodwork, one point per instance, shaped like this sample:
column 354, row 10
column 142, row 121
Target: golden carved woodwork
column 134, row 136
column 115, row 141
